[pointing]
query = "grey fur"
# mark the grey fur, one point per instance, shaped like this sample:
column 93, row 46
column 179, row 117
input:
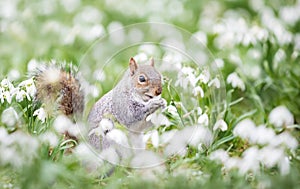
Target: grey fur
column 128, row 108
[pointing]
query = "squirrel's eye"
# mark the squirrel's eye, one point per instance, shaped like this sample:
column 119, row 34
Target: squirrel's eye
column 142, row 79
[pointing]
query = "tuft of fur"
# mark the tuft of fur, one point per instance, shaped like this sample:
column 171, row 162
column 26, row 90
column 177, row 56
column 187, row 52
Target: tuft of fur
column 60, row 90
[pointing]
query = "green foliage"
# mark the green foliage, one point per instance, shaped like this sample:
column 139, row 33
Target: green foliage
column 265, row 58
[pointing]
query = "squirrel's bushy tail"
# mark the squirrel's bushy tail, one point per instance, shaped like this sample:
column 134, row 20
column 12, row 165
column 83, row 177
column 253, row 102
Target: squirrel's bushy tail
column 61, row 89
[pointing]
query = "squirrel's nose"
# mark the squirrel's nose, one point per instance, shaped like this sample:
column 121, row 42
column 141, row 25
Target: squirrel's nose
column 158, row 91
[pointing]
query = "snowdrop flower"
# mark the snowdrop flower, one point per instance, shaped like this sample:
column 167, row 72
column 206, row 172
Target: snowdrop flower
column 21, row 94
column 244, row 128
column 49, row 138
column 219, row 62
column 153, row 135
column 70, row 5
column 284, row 166
column 271, row 156
column 7, row 85
column 199, row 111
column 158, row 119
column 290, row 14
column 219, row 155
column 141, row 57
column 220, row 124
column 204, row 76
column 235, row 81
column 186, row 76
column 279, row 56
column 262, row 135
column 76, row 130
column 106, row 126
column 167, row 136
column 20, row 150
column 110, row 155
column 198, row 91
column 5, row 95
column 281, row 116
column 232, row 163
column 62, row 123
column 215, row 82
column 9, row 117
column 203, row 119
column 285, row 139
column 13, row 75
column 200, row 36
column 119, row 137
column 250, row 161
column 173, row 61
column 29, row 86
column 88, row 157
column 41, row 114
column 172, row 110
column 6, row 91
column 145, row 159
column 199, row 135
column 117, row 34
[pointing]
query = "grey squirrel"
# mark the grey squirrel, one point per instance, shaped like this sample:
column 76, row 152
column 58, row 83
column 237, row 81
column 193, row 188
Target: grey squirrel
column 136, row 96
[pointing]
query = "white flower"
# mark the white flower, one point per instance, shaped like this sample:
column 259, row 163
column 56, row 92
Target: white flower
column 250, row 161
column 19, row 150
column 219, row 155
column 244, row 128
column 235, row 81
column 201, row 36
column 204, row 76
column 7, row 85
column 146, row 159
column 185, row 76
column 5, row 95
column 284, row 166
column 262, row 135
column 9, row 117
column 90, row 159
column 32, row 65
column 106, row 126
column 270, row 156
column 198, row 91
column 14, row 74
column 220, row 124
column 285, row 139
column 167, row 136
column 76, row 129
column 119, row 137
column 49, row 138
column 6, row 91
column 219, row 62
column 110, row 155
column 154, row 138
column 29, row 86
column 62, row 123
column 141, row 57
column 158, row 119
column 203, row 119
column 215, row 82
column 281, row 116
column 172, row 110
column 21, row 94
column 41, row 114
column 199, row 135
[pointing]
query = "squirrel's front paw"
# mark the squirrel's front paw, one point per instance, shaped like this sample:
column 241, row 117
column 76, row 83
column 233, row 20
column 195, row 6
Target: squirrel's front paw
column 156, row 104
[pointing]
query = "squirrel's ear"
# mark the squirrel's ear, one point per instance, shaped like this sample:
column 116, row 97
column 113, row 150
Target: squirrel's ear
column 132, row 66
column 152, row 62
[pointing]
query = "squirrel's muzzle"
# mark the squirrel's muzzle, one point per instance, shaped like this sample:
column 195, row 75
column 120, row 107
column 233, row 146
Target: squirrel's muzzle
column 158, row 91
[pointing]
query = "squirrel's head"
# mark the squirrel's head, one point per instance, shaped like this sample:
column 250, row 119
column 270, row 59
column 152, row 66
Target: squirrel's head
column 146, row 79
